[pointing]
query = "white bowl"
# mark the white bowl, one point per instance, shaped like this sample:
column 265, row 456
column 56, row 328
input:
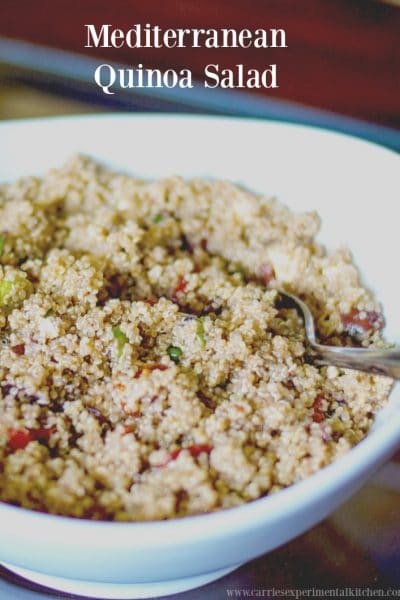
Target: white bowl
column 354, row 186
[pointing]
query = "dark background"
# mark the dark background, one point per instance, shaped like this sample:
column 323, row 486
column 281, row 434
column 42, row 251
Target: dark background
column 342, row 55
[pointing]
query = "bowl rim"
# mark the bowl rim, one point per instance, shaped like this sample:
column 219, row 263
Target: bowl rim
column 164, row 116
column 378, row 444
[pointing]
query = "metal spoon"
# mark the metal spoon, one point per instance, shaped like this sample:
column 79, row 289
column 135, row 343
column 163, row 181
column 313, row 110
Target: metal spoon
column 376, row 362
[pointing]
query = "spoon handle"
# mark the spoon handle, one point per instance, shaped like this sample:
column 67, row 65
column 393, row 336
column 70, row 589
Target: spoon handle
column 376, row 362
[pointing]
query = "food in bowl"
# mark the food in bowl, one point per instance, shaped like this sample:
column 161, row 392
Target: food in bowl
column 148, row 369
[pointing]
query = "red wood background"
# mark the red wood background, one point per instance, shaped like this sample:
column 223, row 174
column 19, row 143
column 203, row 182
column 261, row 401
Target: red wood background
column 343, row 55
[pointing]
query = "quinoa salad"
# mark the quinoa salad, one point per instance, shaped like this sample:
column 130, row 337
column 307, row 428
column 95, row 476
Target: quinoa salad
column 148, row 366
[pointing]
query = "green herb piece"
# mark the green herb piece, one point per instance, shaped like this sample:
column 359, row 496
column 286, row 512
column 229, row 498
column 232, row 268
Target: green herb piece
column 121, row 339
column 15, row 289
column 240, row 271
column 201, row 333
column 2, row 244
column 49, row 312
column 174, row 353
column 158, row 218
column 5, row 289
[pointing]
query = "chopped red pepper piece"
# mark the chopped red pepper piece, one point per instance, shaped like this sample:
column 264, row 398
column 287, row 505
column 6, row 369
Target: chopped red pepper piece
column 174, row 455
column 195, row 450
column 18, row 439
column 43, row 433
column 128, row 429
column 150, row 301
column 150, row 367
column 362, row 321
column 198, row 449
column 318, row 414
column 132, row 413
column 179, row 289
column 19, row 349
column 267, row 273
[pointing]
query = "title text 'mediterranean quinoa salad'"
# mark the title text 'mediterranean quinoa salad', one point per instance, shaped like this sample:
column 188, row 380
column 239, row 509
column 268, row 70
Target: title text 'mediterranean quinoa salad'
column 148, row 369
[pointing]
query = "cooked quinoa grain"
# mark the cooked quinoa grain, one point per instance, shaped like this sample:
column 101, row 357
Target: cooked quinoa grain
column 148, row 369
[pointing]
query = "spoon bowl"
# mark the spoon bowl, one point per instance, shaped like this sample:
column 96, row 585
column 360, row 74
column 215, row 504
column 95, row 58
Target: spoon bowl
column 376, row 362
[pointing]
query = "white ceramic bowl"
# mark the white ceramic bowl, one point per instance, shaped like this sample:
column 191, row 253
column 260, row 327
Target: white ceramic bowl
column 354, row 186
